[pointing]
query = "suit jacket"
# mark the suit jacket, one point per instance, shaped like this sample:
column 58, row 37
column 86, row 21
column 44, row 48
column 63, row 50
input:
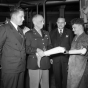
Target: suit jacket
column 12, row 48
column 34, row 41
column 63, row 40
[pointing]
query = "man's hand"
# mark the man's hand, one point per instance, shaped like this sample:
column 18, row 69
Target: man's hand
column 40, row 52
column 51, row 61
column 26, row 29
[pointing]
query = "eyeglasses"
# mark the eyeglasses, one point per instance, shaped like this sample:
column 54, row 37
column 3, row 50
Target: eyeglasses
column 60, row 22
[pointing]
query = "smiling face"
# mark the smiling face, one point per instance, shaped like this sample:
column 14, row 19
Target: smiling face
column 61, row 23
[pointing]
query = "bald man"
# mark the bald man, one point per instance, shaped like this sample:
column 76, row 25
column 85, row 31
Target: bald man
column 37, row 39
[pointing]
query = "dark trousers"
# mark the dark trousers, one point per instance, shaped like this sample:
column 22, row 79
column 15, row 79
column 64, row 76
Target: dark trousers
column 60, row 73
column 13, row 80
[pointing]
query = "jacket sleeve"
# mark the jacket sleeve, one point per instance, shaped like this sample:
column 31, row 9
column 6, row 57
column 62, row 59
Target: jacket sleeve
column 2, row 37
column 29, row 48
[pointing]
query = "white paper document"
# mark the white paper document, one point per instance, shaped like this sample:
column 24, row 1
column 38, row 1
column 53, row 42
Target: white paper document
column 54, row 51
column 50, row 52
column 38, row 60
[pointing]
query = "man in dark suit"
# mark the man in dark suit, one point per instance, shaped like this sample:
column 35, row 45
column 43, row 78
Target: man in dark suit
column 12, row 48
column 61, row 36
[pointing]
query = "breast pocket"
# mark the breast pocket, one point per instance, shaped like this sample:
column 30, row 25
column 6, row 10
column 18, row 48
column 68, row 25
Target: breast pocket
column 46, row 41
column 34, row 42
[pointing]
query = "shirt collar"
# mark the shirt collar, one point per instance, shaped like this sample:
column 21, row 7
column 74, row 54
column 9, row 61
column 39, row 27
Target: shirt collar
column 60, row 30
column 14, row 25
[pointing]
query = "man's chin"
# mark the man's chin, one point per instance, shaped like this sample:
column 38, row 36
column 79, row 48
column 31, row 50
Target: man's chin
column 20, row 24
column 61, row 28
column 74, row 33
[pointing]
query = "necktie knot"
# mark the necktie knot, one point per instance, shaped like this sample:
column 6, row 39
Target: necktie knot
column 19, row 31
column 61, row 32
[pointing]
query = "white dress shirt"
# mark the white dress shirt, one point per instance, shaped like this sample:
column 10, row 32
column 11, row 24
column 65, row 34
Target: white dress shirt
column 60, row 31
column 14, row 25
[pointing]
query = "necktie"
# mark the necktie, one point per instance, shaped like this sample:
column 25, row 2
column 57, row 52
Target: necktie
column 60, row 32
column 19, row 31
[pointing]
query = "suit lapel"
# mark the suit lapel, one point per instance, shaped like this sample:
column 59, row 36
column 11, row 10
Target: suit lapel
column 64, row 33
column 57, row 38
column 16, row 34
column 43, row 34
column 54, row 37
column 21, row 35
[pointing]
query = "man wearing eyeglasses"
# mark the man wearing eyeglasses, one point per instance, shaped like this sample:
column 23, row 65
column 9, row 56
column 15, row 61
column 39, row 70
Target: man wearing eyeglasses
column 62, row 37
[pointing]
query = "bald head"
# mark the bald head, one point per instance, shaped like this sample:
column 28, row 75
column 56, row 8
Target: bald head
column 38, row 21
column 37, row 18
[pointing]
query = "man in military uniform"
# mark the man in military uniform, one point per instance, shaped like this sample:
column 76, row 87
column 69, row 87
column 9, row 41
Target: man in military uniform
column 37, row 39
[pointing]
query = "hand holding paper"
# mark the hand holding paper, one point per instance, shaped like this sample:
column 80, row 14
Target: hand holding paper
column 78, row 51
column 54, row 51
column 40, row 52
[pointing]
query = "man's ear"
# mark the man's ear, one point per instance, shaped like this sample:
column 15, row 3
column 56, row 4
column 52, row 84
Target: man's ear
column 14, row 16
column 34, row 22
column 65, row 23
